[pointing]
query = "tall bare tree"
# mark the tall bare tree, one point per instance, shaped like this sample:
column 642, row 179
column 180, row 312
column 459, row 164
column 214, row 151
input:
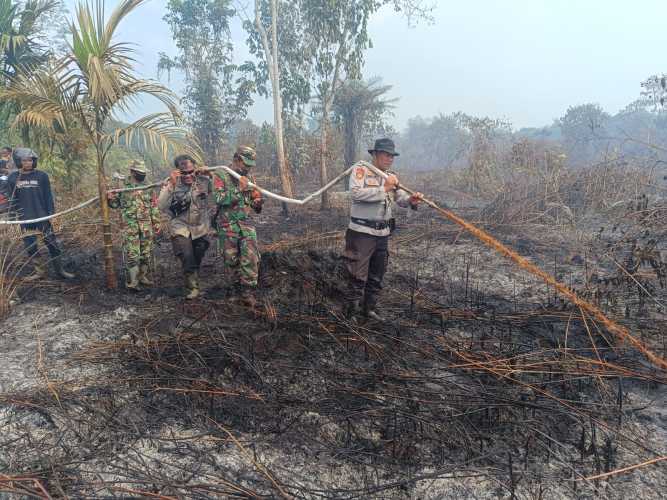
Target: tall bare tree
column 276, row 39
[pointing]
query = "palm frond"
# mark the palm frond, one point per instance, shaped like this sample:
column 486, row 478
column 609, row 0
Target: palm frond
column 121, row 11
column 32, row 11
column 157, row 131
column 136, row 88
column 107, row 66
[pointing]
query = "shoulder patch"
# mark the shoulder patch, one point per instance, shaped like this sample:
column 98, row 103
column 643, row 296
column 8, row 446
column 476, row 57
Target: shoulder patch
column 359, row 173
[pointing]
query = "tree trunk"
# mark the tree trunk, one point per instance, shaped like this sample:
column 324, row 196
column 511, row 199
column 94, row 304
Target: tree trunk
column 285, row 179
column 324, row 178
column 109, row 272
column 351, row 147
column 274, row 75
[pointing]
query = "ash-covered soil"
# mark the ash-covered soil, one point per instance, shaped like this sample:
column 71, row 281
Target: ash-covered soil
column 481, row 384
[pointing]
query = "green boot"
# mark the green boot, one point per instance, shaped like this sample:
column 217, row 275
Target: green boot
column 247, row 296
column 132, row 278
column 144, row 270
column 191, row 285
column 60, row 269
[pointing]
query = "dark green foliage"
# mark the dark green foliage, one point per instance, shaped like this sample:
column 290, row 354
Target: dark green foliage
column 217, row 93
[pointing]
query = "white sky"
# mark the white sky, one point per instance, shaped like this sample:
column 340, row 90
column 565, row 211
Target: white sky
column 522, row 60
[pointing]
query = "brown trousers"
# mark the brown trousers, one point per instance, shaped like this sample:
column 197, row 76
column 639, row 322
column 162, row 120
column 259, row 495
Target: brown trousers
column 190, row 252
column 366, row 258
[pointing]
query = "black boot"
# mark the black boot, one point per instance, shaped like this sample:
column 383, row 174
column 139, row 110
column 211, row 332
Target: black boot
column 351, row 310
column 60, row 270
column 370, row 309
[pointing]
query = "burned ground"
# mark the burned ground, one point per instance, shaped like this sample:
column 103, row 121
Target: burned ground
column 482, row 384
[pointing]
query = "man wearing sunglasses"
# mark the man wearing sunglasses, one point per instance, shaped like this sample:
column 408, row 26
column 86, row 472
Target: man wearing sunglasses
column 184, row 198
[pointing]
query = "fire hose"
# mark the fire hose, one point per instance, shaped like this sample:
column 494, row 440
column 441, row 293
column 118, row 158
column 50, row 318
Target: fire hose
column 620, row 332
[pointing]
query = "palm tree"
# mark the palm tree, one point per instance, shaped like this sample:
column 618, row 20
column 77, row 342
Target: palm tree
column 359, row 109
column 91, row 84
column 20, row 34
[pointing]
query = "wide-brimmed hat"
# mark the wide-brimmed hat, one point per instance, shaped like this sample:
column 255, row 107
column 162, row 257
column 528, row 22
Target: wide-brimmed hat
column 247, row 155
column 385, row 145
column 138, row 166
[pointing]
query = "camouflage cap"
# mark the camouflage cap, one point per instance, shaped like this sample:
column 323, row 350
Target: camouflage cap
column 247, row 155
column 138, row 166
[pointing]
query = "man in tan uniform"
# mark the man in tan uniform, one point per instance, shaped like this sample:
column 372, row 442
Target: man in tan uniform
column 185, row 199
column 371, row 222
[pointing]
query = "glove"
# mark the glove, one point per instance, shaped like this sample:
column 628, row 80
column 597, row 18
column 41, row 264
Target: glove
column 243, row 183
column 390, row 183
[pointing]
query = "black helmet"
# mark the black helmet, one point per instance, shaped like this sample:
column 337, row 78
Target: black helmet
column 22, row 153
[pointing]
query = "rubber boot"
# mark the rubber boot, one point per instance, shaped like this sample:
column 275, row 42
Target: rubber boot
column 248, row 297
column 144, row 270
column 351, row 310
column 60, row 269
column 191, row 285
column 370, row 310
column 39, row 272
column 132, row 282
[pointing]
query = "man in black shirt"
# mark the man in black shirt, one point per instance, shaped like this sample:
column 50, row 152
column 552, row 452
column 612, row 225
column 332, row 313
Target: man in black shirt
column 4, row 187
column 31, row 198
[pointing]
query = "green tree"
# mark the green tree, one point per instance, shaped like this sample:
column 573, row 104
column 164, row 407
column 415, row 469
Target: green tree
column 582, row 127
column 435, row 143
column 92, row 81
column 23, row 35
column 337, row 37
column 216, row 94
column 26, row 42
column 360, row 110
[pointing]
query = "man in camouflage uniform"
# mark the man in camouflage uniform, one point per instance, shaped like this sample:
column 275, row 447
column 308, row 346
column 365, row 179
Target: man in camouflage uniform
column 236, row 231
column 371, row 222
column 141, row 219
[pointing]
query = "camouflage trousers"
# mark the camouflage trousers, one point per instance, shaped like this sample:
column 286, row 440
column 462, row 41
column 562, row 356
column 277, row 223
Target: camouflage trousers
column 240, row 251
column 138, row 243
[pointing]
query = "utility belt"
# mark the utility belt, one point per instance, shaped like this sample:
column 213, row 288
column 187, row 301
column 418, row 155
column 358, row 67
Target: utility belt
column 378, row 225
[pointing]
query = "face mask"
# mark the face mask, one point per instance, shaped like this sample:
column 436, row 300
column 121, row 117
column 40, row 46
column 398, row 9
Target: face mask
column 139, row 177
